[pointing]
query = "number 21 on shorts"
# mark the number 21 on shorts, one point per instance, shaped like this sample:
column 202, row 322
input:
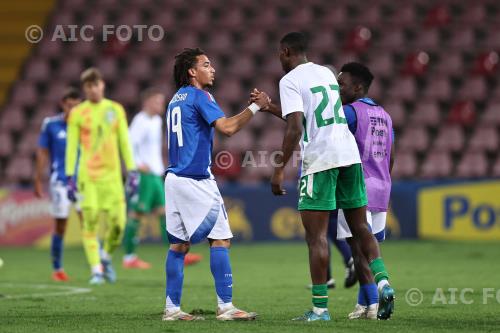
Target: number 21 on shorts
column 306, row 186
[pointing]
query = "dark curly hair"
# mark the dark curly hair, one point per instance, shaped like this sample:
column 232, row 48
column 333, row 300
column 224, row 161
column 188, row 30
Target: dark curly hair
column 183, row 62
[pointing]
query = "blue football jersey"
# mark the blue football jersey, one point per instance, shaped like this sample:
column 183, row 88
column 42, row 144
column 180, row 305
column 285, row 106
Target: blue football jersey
column 190, row 116
column 53, row 138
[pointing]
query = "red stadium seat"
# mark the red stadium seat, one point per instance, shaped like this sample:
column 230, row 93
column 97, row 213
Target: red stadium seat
column 437, row 164
column 20, row 168
column 70, row 69
column 462, row 38
column 491, row 116
column 126, row 92
column 486, row 64
column 242, row 66
column 381, row 63
column 402, row 88
column 391, row 40
column 438, row 16
column 472, row 14
column 427, row 39
column 404, row 15
column 241, row 141
column 413, row 139
column 473, row 88
column 6, row 145
column 484, row 138
column 416, row 64
column 323, row 41
column 473, row 164
column 438, row 87
column 28, row 143
column 358, row 39
column 426, row 113
column 24, row 93
column 108, row 67
column 38, row 69
column 139, row 67
column 397, row 111
column 462, row 113
column 449, row 138
column 450, row 64
column 405, row 165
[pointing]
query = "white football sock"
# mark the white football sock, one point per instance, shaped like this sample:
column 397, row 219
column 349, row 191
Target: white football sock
column 319, row 311
column 382, row 284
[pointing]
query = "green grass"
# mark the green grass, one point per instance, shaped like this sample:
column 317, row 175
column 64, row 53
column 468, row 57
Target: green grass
column 268, row 278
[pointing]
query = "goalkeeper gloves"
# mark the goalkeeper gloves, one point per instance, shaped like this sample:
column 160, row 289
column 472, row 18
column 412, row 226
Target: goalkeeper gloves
column 132, row 183
column 71, row 188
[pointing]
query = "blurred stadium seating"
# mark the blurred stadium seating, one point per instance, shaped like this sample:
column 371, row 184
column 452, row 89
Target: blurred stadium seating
column 436, row 66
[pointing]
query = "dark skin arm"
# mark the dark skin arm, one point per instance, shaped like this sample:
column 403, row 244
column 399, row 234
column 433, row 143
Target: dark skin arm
column 293, row 133
column 269, row 107
column 42, row 157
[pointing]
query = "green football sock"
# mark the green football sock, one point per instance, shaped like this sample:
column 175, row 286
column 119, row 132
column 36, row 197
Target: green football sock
column 320, row 295
column 130, row 239
column 378, row 270
column 163, row 229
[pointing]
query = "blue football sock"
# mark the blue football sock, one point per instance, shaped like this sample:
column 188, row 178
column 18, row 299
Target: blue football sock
column 344, row 249
column 174, row 268
column 371, row 293
column 56, row 249
column 221, row 270
column 362, row 295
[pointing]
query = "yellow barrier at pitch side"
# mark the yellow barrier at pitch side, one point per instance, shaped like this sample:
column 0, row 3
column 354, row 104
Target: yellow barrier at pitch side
column 461, row 212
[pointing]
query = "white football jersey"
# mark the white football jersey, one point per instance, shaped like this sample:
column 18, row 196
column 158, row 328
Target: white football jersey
column 146, row 137
column 326, row 141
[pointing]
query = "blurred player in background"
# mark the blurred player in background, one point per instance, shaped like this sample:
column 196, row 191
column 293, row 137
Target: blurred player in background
column 99, row 127
column 372, row 129
column 194, row 207
column 332, row 174
column 52, row 147
column 146, row 136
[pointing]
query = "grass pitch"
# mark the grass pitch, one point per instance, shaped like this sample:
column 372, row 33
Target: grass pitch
column 268, row 278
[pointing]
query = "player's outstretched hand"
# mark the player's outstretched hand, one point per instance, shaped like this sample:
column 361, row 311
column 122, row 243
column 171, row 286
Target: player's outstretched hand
column 276, row 181
column 71, row 189
column 132, row 183
column 260, row 98
column 38, row 189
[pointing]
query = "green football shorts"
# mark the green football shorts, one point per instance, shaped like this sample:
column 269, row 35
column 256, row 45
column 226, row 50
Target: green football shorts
column 342, row 187
column 151, row 194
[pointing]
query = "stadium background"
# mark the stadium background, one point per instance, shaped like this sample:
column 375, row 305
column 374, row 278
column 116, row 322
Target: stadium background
column 436, row 68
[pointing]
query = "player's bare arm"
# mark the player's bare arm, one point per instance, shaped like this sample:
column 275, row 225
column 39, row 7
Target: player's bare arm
column 42, row 156
column 269, row 106
column 231, row 125
column 293, row 133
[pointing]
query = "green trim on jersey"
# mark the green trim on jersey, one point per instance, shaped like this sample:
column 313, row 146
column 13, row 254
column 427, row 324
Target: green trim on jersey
column 342, row 187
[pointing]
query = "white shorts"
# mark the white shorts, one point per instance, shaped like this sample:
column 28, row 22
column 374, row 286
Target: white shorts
column 376, row 220
column 59, row 197
column 194, row 210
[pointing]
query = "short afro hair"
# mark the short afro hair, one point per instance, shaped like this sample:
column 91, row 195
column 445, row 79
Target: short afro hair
column 296, row 42
column 360, row 74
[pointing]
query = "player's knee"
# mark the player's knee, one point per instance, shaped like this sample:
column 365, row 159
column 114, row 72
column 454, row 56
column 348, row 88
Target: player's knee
column 180, row 247
column 220, row 243
column 60, row 228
